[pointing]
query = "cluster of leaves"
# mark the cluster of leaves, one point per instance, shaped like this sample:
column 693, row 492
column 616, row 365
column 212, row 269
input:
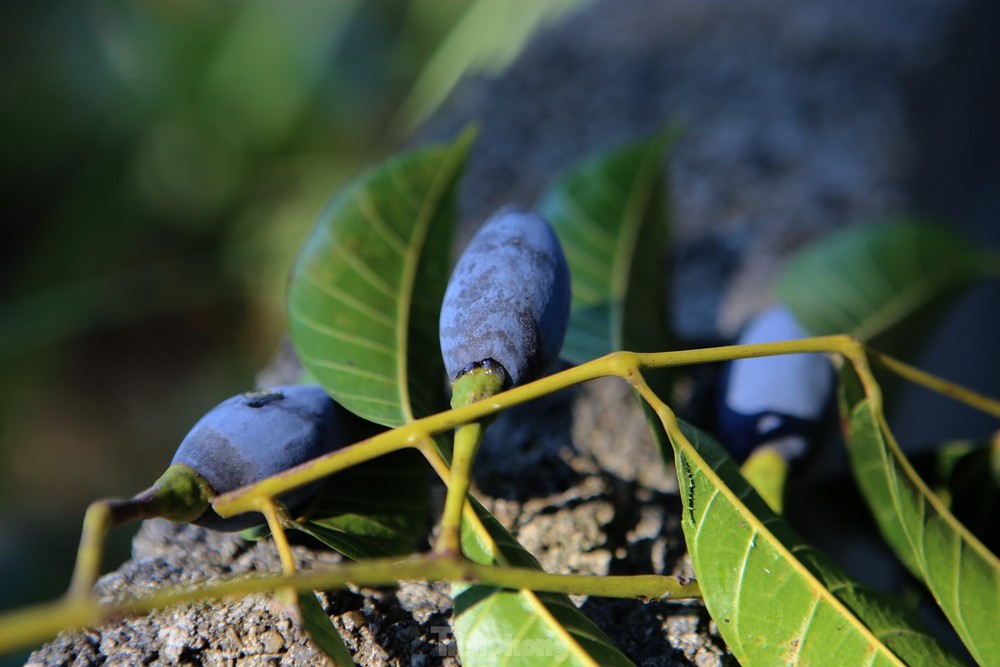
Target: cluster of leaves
column 363, row 304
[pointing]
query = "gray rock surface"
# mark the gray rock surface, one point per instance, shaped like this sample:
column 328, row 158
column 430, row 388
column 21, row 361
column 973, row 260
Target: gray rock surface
column 795, row 117
column 797, row 120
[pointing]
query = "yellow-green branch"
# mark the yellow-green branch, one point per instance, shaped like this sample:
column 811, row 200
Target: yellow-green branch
column 31, row 625
column 28, row 626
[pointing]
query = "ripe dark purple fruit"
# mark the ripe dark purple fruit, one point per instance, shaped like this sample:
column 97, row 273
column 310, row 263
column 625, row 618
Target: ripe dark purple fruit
column 777, row 401
column 255, row 435
column 508, row 298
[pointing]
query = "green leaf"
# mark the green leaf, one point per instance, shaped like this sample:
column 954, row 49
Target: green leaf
column 371, row 510
column 766, row 470
column 961, row 573
column 366, row 289
column 609, row 213
column 505, row 627
column 375, row 509
column 321, row 630
column 775, row 599
column 867, row 280
column 485, row 39
column 966, row 477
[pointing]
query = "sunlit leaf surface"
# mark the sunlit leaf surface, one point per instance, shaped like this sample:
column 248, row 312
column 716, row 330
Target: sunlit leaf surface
column 776, row 600
column 766, row 471
column 504, row 627
column 320, row 629
column 609, row 213
column 366, row 289
column 961, row 573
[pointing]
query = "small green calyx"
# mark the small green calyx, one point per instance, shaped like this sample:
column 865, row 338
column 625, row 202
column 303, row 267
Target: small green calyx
column 477, row 381
column 181, row 495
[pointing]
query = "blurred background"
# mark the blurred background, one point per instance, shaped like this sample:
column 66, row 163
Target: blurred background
column 161, row 164
column 163, row 161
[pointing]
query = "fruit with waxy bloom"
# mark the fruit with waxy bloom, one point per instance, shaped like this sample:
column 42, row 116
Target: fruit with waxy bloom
column 777, row 401
column 508, row 299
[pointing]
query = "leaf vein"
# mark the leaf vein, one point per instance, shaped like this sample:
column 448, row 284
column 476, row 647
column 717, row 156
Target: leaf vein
column 354, row 261
column 339, row 334
column 349, row 300
column 368, row 208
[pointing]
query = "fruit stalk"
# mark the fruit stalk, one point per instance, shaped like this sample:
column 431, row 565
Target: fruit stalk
column 467, row 440
column 180, row 495
column 242, row 440
column 478, row 381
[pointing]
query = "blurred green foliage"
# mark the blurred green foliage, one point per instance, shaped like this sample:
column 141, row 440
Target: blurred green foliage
column 161, row 163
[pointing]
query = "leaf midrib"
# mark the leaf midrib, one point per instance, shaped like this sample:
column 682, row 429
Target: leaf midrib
column 964, row 536
column 639, row 201
column 908, row 299
column 532, row 598
column 929, row 496
column 786, row 555
column 411, row 262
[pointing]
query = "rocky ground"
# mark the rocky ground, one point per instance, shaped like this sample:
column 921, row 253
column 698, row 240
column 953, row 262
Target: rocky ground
column 798, row 118
column 572, row 500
